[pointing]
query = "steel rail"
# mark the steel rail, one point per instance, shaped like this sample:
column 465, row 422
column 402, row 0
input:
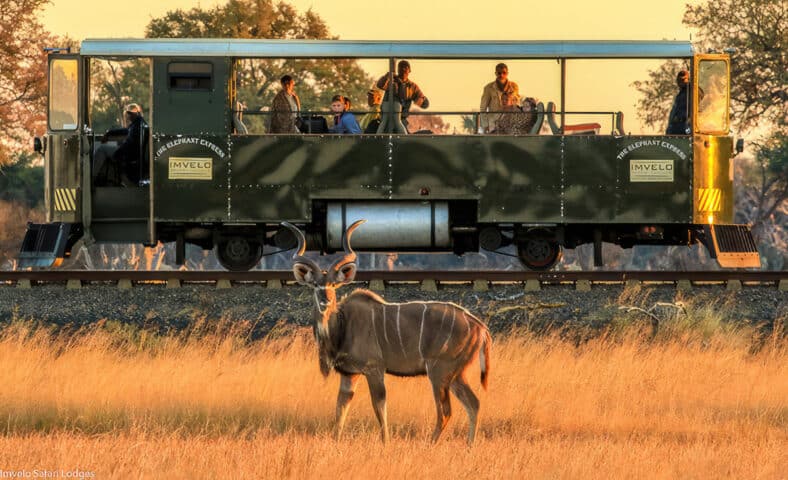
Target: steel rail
column 259, row 276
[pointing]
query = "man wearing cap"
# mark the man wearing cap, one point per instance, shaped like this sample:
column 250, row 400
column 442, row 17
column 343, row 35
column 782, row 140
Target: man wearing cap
column 678, row 121
column 406, row 92
column 493, row 99
column 371, row 121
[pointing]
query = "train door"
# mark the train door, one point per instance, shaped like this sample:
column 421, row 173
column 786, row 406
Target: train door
column 119, row 106
column 47, row 244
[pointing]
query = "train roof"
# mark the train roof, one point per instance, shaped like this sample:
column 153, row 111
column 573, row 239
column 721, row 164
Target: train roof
column 251, row 48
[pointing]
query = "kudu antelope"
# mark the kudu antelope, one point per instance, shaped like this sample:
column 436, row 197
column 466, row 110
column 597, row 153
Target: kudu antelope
column 364, row 335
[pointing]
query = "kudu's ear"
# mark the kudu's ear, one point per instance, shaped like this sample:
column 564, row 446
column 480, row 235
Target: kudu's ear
column 304, row 269
column 303, row 274
column 345, row 274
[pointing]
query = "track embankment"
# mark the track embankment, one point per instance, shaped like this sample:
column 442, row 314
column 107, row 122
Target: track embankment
column 568, row 300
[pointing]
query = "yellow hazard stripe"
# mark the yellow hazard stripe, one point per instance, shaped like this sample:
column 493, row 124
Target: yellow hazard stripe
column 65, row 199
column 710, row 200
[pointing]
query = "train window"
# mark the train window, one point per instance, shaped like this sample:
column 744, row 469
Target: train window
column 113, row 84
column 190, row 76
column 63, row 90
column 713, row 96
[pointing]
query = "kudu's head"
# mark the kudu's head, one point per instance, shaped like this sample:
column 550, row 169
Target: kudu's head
column 324, row 282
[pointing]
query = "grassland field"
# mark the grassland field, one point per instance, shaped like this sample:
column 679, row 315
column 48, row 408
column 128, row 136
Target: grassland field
column 697, row 399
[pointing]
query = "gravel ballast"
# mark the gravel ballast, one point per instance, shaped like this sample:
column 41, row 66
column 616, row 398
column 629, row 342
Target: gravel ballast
column 502, row 307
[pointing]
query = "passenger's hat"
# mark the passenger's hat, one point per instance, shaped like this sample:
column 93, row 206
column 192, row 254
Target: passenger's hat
column 133, row 108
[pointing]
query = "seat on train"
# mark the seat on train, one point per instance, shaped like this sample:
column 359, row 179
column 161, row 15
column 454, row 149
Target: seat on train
column 539, row 119
column 618, row 128
column 577, row 129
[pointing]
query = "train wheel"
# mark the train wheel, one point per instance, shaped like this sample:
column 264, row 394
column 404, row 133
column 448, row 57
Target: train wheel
column 539, row 253
column 239, row 254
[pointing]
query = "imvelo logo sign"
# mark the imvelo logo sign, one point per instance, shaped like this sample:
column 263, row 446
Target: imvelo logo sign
column 644, row 170
column 190, row 168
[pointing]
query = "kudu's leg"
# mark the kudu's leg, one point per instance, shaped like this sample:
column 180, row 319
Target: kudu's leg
column 377, row 390
column 469, row 400
column 347, row 387
column 440, row 390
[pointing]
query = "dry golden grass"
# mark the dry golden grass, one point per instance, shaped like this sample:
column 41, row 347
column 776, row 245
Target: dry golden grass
column 124, row 403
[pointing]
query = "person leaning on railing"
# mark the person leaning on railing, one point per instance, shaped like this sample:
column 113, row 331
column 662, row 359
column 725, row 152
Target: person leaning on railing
column 406, row 91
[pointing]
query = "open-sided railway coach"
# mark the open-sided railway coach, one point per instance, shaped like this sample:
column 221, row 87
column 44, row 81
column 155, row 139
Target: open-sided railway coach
column 213, row 184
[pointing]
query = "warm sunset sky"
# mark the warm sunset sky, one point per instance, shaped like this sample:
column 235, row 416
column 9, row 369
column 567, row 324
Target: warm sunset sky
column 442, row 20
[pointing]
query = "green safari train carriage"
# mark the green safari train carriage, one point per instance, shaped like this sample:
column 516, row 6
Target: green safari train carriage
column 211, row 182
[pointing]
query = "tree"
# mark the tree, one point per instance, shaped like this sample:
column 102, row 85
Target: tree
column 23, row 182
column 258, row 80
column 23, row 86
column 759, row 87
column 766, row 193
column 755, row 29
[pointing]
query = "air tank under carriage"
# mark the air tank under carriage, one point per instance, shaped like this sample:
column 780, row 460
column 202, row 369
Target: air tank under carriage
column 210, row 184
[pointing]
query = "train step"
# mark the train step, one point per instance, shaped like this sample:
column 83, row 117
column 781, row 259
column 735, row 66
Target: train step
column 45, row 245
column 734, row 246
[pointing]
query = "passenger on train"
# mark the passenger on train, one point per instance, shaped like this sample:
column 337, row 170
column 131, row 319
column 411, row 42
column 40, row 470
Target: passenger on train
column 128, row 164
column 492, row 98
column 285, row 107
column 344, row 121
column 371, row 121
column 516, row 120
column 406, row 92
column 679, row 119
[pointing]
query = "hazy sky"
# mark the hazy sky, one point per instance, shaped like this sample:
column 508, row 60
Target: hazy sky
column 411, row 19
column 442, row 20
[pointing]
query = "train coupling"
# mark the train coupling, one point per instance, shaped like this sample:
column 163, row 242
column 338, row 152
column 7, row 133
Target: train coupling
column 47, row 244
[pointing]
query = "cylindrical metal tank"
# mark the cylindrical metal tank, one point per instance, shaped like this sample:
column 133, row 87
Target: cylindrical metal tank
column 390, row 225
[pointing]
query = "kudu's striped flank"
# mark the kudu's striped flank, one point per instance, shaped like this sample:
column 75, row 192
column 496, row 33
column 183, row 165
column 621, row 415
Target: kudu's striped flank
column 364, row 335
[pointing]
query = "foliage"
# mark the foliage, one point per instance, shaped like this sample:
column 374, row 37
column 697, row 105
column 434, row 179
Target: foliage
column 23, row 86
column 658, row 93
column 763, row 199
column 755, row 29
column 258, row 80
column 759, row 82
column 22, row 182
column 115, row 84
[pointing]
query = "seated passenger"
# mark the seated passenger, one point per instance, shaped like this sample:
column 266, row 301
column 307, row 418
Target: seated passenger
column 128, row 164
column 516, row 120
column 492, row 99
column 285, row 108
column 344, row 121
column 371, row 121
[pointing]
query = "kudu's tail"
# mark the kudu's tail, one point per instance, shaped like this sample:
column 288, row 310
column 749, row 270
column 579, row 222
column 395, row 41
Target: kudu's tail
column 484, row 357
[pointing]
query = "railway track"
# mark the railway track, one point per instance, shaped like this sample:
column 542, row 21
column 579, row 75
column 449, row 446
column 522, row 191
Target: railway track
column 377, row 279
